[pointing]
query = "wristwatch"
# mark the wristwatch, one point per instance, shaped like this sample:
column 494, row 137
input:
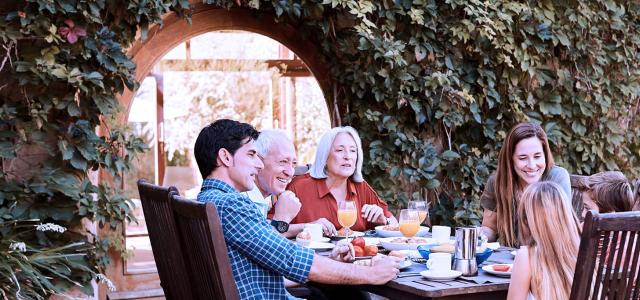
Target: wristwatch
column 280, row 226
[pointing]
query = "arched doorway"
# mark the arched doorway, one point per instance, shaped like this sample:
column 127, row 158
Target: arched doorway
column 206, row 18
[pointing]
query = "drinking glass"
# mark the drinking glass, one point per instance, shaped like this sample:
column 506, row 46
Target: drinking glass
column 409, row 222
column 347, row 215
column 423, row 209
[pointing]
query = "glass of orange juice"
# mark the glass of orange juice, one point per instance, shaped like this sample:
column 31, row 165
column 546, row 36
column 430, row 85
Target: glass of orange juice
column 347, row 214
column 422, row 207
column 409, row 222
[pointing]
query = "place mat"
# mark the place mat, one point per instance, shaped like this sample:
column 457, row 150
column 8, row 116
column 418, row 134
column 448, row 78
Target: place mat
column 484, row 277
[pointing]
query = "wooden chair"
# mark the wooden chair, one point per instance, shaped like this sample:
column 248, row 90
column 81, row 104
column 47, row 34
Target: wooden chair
column 608, row 259
column 302, row 169
column 205, row 251
column 165, row 242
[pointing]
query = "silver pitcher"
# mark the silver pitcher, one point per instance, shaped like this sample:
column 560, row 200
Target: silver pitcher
column 465, row 251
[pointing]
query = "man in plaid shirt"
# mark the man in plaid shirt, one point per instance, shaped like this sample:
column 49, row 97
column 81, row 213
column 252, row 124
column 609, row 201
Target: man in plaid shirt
column 259, row 256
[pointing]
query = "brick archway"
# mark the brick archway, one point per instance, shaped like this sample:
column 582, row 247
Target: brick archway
column 206, row 18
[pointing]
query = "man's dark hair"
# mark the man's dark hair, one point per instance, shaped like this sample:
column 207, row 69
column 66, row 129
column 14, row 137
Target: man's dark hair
column 223, row 133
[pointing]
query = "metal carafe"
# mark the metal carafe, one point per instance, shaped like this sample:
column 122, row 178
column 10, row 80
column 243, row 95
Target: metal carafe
column 465, row 251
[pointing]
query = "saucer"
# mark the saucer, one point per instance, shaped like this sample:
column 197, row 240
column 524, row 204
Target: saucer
column 441, row 275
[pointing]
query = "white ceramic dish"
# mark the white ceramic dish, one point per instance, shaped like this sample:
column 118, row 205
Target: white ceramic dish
column 372, row 241
column 389, row 244
column 320, row 246
column 304, row 243
column 489, row 269
column 405, row 264
column 396, row 233
column 441, row 275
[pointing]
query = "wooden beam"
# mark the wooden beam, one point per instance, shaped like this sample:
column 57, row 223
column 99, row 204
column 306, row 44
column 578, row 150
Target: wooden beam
column 286, row 67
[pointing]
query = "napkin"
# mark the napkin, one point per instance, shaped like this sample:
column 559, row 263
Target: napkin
column 484, row 277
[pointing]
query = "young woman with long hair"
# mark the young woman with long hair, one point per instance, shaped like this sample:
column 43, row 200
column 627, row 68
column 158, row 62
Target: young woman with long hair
column 550, row 235
column 525, row 158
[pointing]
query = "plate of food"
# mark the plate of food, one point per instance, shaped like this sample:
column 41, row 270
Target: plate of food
column 394, row 231
column 502, row 270
column 402, row 243
column 343, row 233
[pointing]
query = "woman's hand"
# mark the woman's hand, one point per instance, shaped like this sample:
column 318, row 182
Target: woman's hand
column 327, row 227
column 373, row 214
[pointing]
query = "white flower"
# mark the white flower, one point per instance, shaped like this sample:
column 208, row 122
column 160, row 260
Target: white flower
column 20, row 246
column 51, row 227
column 103, row 279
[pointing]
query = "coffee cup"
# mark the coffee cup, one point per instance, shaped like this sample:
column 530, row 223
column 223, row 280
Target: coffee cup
column 441, row 234
column 439, row 262
column 315, row 230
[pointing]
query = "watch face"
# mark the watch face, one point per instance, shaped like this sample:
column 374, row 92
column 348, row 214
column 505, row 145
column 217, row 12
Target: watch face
column 280, row 226
column 283, row 227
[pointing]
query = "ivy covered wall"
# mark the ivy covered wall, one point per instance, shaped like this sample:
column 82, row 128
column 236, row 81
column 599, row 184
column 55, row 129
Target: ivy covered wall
column 432, row 87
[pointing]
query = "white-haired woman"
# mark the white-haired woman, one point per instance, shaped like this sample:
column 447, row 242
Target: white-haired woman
column 336, row 176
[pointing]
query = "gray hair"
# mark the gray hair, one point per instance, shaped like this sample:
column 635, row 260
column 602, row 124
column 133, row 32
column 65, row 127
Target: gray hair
column 324, row 146
column 266, row 140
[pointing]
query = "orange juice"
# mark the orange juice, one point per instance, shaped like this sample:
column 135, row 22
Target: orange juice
column 409, row 229
column 423, row 215
column 347, row 218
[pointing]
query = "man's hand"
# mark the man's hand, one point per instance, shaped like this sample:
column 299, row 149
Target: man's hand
column 327, row 227
column 343, row 251
column 384, row 269
column 287, row 207
column 373, row 214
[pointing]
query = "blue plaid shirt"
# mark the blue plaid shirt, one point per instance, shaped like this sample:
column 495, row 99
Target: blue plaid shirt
column 259, row 255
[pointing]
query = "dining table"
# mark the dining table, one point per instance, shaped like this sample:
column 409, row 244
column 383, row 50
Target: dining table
column 410, row 284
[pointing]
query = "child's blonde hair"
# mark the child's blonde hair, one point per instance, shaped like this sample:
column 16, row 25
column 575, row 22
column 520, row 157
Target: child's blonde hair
column 549, row 227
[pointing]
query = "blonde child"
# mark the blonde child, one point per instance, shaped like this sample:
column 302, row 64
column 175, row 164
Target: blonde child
column 550, row 236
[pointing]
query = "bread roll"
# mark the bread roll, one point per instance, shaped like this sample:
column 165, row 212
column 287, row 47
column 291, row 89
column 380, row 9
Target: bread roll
column 445, row 247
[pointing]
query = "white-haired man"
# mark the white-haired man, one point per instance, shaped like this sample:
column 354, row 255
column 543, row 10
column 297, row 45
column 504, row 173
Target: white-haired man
column 278, row 155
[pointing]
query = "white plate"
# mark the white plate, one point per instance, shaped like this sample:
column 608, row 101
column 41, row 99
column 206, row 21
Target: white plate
column 441, row 276
column 388, row 244
column 396, row 233
column 489, row 269
column 410, row 253
column 372, row 241
column 321, row 246
column 405, row 264
column 304, row 243
column 353, row 234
